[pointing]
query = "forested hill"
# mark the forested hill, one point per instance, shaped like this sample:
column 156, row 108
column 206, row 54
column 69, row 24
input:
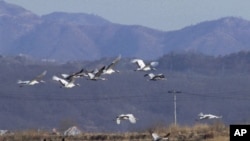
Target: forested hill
column 80, row 36
column 217, row 85
column 233, row 63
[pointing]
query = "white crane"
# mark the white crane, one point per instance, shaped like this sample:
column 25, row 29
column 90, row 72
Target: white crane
column 78, row 74
column 129, row 117
column 72, row 131
column 142, row 66
column 66, row 84
column 156, row 137
column 155, row 77
column 110, row 68
column 36, row 80
column 208, row 116
column 96, row 74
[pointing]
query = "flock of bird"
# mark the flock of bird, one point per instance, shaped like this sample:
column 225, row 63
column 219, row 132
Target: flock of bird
column 132, row 119
column 68, row 81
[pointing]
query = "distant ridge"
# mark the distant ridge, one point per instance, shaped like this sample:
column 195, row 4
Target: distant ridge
column 75, row 18
column 218, row 37
column 77, row 36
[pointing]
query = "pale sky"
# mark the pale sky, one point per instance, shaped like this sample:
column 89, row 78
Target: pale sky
column 164, row 15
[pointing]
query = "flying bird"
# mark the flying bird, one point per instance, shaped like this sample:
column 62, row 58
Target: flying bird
column 66, row 83
column 129, row 117
column 208, row 116
column 156, row 137
column 142, row 66
column 155, row 77
column 110, row 68
column 78, row 74
column 96, row 74
column 36, row 80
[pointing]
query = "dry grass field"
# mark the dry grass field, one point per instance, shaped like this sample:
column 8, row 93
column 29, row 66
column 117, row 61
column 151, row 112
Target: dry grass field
column 198, row 132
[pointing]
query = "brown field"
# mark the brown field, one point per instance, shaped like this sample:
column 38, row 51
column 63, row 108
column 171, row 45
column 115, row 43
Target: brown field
column 198, row 132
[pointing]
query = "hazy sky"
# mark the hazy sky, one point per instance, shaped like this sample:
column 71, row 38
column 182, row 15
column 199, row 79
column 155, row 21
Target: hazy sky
column 159, row 14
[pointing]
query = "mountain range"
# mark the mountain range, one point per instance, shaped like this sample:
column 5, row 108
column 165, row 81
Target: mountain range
column 78, row 36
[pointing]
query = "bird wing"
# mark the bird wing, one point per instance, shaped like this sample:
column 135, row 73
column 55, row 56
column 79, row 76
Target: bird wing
column 22, row 82
column 121, row 115
column 214, row 116
column 72, row 79
column 76, row 74
column 118, row 121
column 140, row 63
column 205, row 117
column 113, row 63
column 155, row 136
column 65, row 75
column 69, row 77
column 91, row 75
column 40, row 76
column 200, row 114
column 153, row 64
column 80, row 73
column 219, row 116
column 100, row 71
column 159, row 76
column 62, row 81
column 168, row 134
column 118, row 118
column 131, row 118
column 151, row 75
